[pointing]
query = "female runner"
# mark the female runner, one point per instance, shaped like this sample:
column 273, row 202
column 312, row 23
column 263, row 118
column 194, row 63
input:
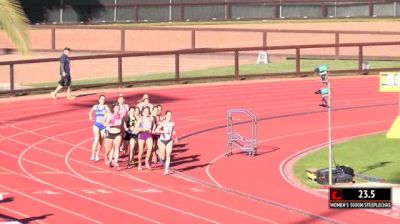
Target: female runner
column 166, row 129
column 145, row 137
column 131, row 125
column 113, row 137
column 98, row 127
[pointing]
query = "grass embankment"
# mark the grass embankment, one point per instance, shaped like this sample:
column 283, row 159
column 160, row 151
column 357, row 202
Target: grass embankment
column 373, row 156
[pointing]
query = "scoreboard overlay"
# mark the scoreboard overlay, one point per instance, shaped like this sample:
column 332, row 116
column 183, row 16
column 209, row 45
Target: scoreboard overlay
column 369, row 198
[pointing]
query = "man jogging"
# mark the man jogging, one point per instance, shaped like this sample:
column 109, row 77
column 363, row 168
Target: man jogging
column 65, row 80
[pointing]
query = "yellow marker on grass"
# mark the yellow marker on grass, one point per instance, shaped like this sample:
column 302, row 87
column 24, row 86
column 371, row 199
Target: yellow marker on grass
column 389, row 82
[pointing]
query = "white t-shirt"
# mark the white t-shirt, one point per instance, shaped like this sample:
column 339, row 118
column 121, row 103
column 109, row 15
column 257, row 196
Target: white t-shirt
column 169, row 129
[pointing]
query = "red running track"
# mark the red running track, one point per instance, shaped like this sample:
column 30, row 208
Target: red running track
column 47, row 177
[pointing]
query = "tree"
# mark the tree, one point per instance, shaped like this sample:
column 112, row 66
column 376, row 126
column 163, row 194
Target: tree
column 14, row 24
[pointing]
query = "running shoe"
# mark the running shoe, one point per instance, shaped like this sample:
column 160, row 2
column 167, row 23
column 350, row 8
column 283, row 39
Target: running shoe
column 323, row 105
column 148, row 166
column 131, row 164
column 117, row 166
column 53, row 95
column 71, row 97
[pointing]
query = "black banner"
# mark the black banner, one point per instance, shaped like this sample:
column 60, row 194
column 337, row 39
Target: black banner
column 360, row 194
column 360, row 198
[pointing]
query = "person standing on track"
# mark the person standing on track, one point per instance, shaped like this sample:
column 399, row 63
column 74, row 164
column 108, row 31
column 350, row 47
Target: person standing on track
column 159, row 106
column 131, row 126
column 166, row 129
column 113, row 139
column 100, row 111
column 145, row 137
column 144, row 102
column 123, row 111
column 156, row 119
column 65, row 72
column 123, row 107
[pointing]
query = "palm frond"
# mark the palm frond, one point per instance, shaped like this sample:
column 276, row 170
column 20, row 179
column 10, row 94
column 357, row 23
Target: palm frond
column 14, row 24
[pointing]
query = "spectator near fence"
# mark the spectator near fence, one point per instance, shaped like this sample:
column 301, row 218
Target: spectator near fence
column 65, row 72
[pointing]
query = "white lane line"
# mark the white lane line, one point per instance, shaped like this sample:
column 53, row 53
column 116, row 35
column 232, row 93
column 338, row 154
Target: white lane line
column 208, row 167
column 50, row 204
column 129, row 176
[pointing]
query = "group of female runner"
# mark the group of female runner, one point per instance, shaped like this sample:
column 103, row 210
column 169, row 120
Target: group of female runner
column 121, row 128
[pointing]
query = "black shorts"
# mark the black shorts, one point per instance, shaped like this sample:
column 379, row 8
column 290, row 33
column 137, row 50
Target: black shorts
column 156, row 137
column 65, row 81
column 112, row 135
column 129, row 136
column 165, row 142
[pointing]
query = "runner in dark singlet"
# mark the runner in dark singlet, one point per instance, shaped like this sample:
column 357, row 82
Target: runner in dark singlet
column 131, row 126
column 113, row 137
column 156, row 119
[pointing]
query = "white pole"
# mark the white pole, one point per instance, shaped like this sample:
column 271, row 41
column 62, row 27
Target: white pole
column 330, row 133
column 280, row 9
column 226, row 10
column 335, row 10
column 170, row 10
column 61, row 11
column 115, row 10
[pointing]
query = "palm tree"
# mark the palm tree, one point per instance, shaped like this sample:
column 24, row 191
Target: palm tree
column 14, row 24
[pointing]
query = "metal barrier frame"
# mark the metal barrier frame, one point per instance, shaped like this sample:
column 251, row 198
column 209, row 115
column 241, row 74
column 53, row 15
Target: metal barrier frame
column 235, row 140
